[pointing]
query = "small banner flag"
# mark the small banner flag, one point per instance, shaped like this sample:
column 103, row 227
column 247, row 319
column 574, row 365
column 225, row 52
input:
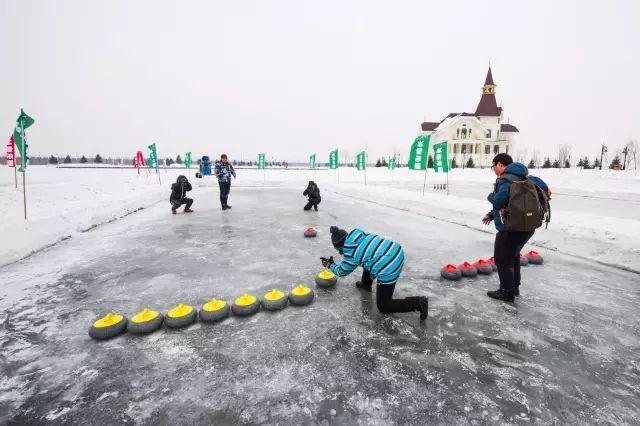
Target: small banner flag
column 440, row 157
column 10, row 154
column 153, row 157
column 187, row 160
column 139, row 160
column 312, row 161
column 418, row 154
column 22, row 123
column 361, row 163
column 333, row 159
column 261, row 161
column 392, row 163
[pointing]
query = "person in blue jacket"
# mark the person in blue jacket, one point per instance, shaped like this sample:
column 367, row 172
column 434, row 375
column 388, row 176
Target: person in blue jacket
column 224, row 170
column 380, row 259
column 508, row 244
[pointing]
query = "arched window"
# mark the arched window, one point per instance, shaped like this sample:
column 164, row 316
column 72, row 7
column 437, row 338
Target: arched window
column 489, row 134
column 458, row 133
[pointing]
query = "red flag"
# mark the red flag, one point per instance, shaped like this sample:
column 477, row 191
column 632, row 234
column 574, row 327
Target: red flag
column 10, row 155
column 139, row 160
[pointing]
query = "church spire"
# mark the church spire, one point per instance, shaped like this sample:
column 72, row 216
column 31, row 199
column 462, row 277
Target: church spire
column 489, row 87
column 487, row 105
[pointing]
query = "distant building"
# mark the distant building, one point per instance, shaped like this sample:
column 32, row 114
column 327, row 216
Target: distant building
column 479, row 135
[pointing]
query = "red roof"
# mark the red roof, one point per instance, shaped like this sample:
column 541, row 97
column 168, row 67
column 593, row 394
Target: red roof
column 429, row 125
column 508, row 128
column 489, row 79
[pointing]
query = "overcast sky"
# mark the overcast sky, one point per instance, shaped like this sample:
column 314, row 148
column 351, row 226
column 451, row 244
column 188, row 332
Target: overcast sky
column 295, row 77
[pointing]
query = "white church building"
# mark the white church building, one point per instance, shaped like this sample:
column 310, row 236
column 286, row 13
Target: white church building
column 478, row 135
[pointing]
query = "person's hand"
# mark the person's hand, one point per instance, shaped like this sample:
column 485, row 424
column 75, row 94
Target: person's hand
column 487, row 219
column 326, row 262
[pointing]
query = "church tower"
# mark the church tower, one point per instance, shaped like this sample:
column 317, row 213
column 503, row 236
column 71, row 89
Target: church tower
column 488, row 105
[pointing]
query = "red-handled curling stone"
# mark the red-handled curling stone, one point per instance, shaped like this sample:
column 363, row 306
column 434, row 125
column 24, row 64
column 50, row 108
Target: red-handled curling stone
column 468, row 270
column 451, row 272
column 310, row 232
column 534, row 258
column 483, row 267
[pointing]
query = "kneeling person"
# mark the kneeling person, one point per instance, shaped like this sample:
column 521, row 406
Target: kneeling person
column 178, row 195
column 380, row 259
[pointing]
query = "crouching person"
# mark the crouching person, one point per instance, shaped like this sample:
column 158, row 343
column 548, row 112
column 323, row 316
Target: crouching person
column 313, row 192
column 178, row 195
column 380, row 259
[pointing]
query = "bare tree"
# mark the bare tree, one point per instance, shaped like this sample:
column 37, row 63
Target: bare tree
column 631, row 153
column 535, row 157
column 564, row 154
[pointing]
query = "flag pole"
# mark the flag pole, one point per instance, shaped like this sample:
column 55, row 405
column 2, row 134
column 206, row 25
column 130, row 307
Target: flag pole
column 447, row 182
column 15, row 170
column 24, row 169
column 424, row 184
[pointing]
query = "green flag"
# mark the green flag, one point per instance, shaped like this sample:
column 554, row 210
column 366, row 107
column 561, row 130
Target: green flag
column 23, row 122
column 392, row 163
column 187, row 160
column 361, row 162
column 153, row 156
column 418, row 154
column 440, row 157
column 260, row 161
column 333, row 159
column 312, row 161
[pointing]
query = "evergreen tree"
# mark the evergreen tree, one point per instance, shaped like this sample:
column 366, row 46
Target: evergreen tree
column 98, row 159
column 556, row 164
column 67, row 160
column 616, row 164
column 567, row 164
column 430, row 162
column 596, row 163
column 581, row 162
column 547, row 163
column 83, row 159
column 454, row 164
column 384, row 162
column 178, row 159
column 378, row 163
column 53, row 160
column 585, row 163
column 168, row 161
column 470, row 164
column 532, row 164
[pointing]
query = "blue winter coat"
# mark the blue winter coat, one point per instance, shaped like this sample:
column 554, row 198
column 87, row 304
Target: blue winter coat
column 499, row 198
column 382, row 258
column 224, row 171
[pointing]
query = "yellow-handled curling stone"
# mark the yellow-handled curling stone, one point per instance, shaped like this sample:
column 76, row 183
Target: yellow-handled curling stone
column 274, row 300
column 181, row 316
column 110, row 325
column 214, row 310
column 301, row 295
column 245, row 305
column 145, row 321
column 326, row 278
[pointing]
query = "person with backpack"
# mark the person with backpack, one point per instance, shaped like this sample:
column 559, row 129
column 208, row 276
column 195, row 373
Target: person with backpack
column 179, row 195
column 520, row 204
column 224, row 170
column 313, row 192
column 380, row 259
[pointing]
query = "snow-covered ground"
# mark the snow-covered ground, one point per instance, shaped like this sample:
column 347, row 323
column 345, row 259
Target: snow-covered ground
column 566, row 352
column 595, row 215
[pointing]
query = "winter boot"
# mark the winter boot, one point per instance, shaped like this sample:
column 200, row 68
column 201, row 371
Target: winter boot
column 227, row 206
column 315, row 207
column 363, row 287
column 188, row 210
column 516, row 291
column 173, row 210
column 500, row 294
column 424, row 308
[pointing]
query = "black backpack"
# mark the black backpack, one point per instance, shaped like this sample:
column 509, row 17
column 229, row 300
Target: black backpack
column 528, row 207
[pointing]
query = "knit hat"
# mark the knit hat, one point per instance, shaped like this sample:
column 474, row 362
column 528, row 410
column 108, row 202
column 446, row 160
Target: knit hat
column 337, row 236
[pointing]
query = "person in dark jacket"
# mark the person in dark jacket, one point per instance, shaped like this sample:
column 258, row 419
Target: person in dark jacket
column 380, row 259
column 224, row 170
column 313, row 192
column 178, row 195
column 508, row 244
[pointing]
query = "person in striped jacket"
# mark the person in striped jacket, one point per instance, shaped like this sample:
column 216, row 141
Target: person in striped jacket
column 380, row 259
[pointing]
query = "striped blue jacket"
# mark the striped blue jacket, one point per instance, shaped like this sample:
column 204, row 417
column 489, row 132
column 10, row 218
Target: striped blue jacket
column 382, row 258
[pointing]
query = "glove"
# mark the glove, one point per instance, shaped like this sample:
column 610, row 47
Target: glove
column 327, row 262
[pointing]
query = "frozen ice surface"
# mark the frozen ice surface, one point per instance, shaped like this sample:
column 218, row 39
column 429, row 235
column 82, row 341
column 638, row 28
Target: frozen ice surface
column 566, row 352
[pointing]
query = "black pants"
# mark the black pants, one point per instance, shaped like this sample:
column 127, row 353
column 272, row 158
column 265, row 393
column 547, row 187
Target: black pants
column 384, row 297
column 506, row 253
column 225, row 188
column 312, row 203
column 177, row 203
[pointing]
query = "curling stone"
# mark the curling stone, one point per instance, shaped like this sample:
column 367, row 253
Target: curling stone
column 108, row 326
column 326, row 278
column 245, row 305
column 274, row 300
column 492, row 262
column 145, row 321
column 483, row 267
column 450, row 272
column 181, row 316
column 310, row 232
column 214, row 310
column 468, row 270
column 301, row 295
column 534, row 258
column 524, row 261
